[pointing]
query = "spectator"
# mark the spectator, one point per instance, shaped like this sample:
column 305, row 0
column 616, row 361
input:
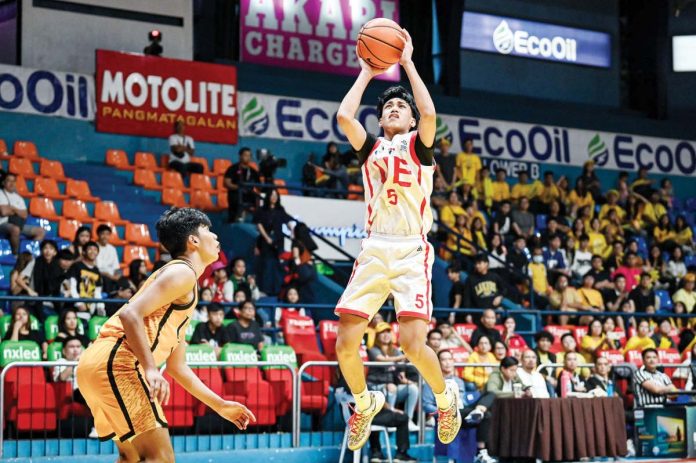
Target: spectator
column 213, row 332
column 450, row 337
column 519, row 256
column 612, row 204
column 370, row 333
column 137, row 273
column 445, row 163
column 569, row 382
column 651, row 385
column 46, row 274
column 609, row 330
column 523, row 189
column 483, row 190
column 450, row 211
column 13, row 215
column 201, row 312
column 456, row 292
column 86, row 282
column 582, row 261
column 292, row 296
column 684, row 236
column 553, row 256
column 589, row 296
column 594, row 341
column 476, row 377
column 688, row 373
column 392, row 382
column 643, row 296
column 686, row 295
column 438, row 197
column 66, row 259
column 468, row 164
column 107, row 259
column 460, row 242
column 483, row 289
column 83, row 235
column 502, row 381
column 523, row 220
column 241, row 280
column 570, row 345
column 69, row 327
column 544, row 340
column 20, row 329
column 269, row 244
column 662, row 338
column 663, row 233
column 20, row 283
column 614, row 297
column 598, row 243
column 514, row 341
column 540, row 282
column 676, row 269
column 486, row 328
column 552, row 229
column 501, row 188
column 220, row 284
column 565, row 298
column 122, row 290
column 434, row 339
column 549, row 191
column 532, row 378
column 601, row 379
column 300, row 271
column 500, row 350
column 241, row 198
column 182, row 147
column 641, row 340
column 579, row 198
column 335, row 176
column 475, row 412
column 497, row 257
column 246, row 329
column 502, row 222
column 72, row 349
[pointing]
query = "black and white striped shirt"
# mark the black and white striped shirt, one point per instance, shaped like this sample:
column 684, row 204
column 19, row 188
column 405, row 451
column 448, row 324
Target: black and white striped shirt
column 643, row 397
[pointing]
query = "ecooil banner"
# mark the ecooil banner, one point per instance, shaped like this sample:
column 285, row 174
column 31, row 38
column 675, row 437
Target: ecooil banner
column 505, row 141
column 47, row 93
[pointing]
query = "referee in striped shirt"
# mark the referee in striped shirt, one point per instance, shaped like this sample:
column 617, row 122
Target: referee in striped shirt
column 650, row 384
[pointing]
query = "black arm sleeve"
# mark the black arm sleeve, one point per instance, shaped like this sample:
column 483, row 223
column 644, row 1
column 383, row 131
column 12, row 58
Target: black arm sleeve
column 364, row 152
column 425, row 154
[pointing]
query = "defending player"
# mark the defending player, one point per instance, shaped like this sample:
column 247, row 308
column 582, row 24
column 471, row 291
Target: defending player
column 395, row 257
column 118, row 374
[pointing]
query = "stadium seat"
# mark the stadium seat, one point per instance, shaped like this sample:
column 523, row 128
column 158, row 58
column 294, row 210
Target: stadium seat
column 79, row 189
column 3, row 149
column 220, row 166
column 51, row 328
column 541, row 222
column 23, row 189
column 201, row 182
column 356, row 193
column 48, row 227
column 579, row 332
column 108, row 212
column 202, row 161
column 23, row 167
column 300, row 333
column 7, row 257
column 30, row 246
column 145, row 160
column 95, row 324
column 179, row 409
column 118, row 159
column 115, row 239
column 172, row 179
column 328, row 331
column 665, row 299
column 614, row 356
column 202, row 200
column 460, row 355
column 76, row 209
column 173, row 197
column 67, row 228
column 634, row 356
column 52, row 169
column 557, row 331
column 66, row 406
column 132, row 252
column 395, row 332
column 164, row 161
column 220, row 183
column 669, row 357
column 25, row 149
column 280, row 183
column 465, row 330
column 146, row 179
column 48, row 188
column 44, row 208
column 222, row 202
column 5, row 323
column 138, row 233
column 690, row 205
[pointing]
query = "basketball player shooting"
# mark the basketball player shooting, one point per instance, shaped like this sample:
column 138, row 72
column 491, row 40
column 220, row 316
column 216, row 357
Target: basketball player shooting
column 119, row 375
column 395, row 257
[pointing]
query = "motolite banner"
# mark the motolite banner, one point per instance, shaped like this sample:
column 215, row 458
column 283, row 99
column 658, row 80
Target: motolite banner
column 145, row 95
column 504, row 144
column 46, row 93
column 314, row 35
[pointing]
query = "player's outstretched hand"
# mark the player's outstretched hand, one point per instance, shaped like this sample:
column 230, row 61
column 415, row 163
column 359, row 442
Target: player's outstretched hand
column 159, row 387
column 371, row 71
column 237, row 414
column 407, row 52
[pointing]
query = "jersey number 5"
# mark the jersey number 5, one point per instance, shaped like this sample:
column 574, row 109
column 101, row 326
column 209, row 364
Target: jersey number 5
column 393, row 198
column 420, row 301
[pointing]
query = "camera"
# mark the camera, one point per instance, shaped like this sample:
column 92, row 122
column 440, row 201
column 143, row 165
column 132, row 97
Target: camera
column 268, row 163
column 155, row 47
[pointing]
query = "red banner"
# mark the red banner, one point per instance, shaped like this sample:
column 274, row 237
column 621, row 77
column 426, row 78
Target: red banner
column 145, row 95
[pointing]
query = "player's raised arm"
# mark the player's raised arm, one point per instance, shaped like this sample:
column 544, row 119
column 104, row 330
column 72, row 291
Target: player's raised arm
column 351, row 102
column 182, row 374
column 425, row 105
column 172, row 284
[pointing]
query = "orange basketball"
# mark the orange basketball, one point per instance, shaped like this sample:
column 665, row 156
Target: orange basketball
column 380, row 43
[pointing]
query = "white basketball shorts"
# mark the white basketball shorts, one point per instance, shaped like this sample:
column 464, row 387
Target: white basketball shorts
column 400, row 265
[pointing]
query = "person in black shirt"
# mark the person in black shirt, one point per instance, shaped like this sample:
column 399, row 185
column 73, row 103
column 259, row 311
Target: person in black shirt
column 456, row 292
column 212, row 332
column 502, row 222
column 86, row 281
column 483, row 289
column 643, row 295
column 269, row 221
column 555, row 214
column 246, row 329
column 486, row 328
column 68, row 326
column 20, row 329
column 445, row 162
column 241, row 172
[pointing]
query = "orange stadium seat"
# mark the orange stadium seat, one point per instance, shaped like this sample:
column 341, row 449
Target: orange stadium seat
column 23, row 167
column 76, row 209
column 164, row 161
column 355, row 193
column 138, row 233
column 172, row 179
column 279, row 182
column 118, row 159
column 173, row 197
column 201, row 182
column 202, row 161
column 3, row 149
column 222, row 200
column 146, row 179
column 25, row 149
column 48, row 187
column 53, row 169
column 132, row 252
column 108, row 212
column 23, row 189
column 67, row 228
column 220, row 166
column 44, row 208
column 79, row 189
column 115, row 239
column 145, row 160
column 202, row 200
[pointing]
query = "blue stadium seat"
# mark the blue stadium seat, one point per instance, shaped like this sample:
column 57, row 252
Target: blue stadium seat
column 62, row 244
column 665, row 300
column 690, row 260
column 51, row 230
column 31, row 246
column 690, row 205
column 642, row 246
column 4, row 282
column 677, row 204
column 541, row 221
column 6, row 257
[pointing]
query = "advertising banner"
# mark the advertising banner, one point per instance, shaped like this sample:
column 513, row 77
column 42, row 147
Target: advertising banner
column 46, row 93
column 144, row 95
column 504, row 144
column 531, row 39
column 314, row 35
column 661, row 432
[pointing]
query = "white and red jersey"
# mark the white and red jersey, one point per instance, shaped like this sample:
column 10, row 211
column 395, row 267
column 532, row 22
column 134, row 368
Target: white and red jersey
column 397, row 188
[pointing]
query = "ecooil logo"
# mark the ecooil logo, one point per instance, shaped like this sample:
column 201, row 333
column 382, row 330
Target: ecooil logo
column 503, row 38
column 255, row 117
column 597, row 150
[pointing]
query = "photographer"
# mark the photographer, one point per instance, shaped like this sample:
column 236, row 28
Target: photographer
column 268, row 164
column 236, row 174
column 13, row 215
column 182, row 148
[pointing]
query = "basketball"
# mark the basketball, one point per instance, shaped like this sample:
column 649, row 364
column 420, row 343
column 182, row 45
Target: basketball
column 380, row 43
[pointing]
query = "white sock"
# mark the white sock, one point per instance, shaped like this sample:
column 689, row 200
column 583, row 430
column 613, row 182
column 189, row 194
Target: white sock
column 363, row 400
column 444, row 399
